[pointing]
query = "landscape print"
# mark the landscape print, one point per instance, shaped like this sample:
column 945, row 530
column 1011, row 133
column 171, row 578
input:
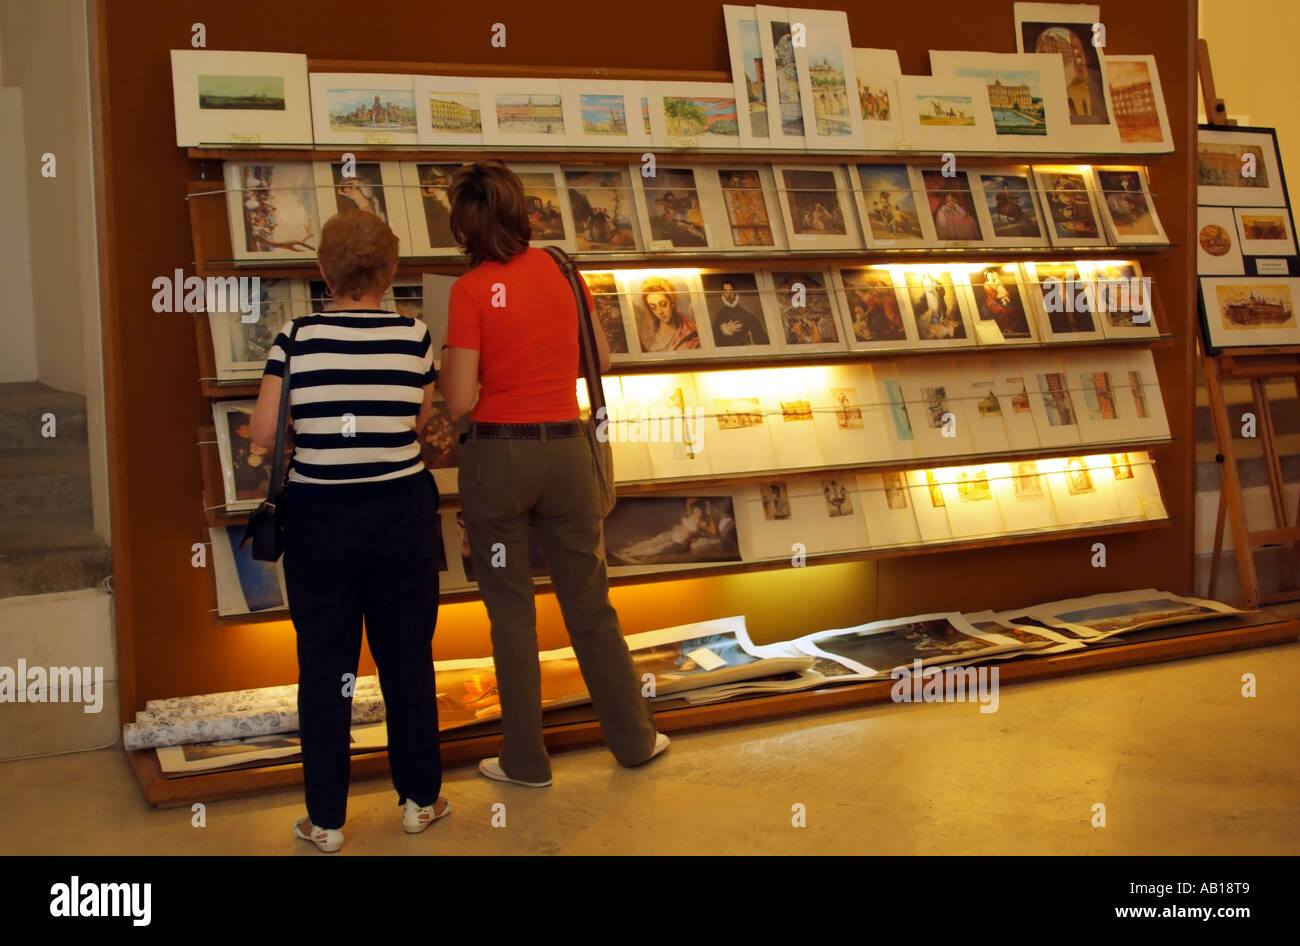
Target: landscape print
column 957, row 111
column 529, row 114
column 454, row 112
column 830, row 91
column 1133, row 100
column 257, row 93
column 1016, row 98
column 1256, row 305
column 1083, row 86
column 371, row 110
column 751, row 58
column 603, row 114
column 688, row 116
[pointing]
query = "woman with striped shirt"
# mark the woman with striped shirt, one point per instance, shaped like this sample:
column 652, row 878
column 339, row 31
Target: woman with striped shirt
column 361, row 532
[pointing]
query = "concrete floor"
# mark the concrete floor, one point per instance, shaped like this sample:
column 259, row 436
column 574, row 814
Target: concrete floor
column 1183, row 763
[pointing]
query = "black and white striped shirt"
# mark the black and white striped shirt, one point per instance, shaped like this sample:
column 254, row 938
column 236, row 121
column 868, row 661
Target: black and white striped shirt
column 356, row 380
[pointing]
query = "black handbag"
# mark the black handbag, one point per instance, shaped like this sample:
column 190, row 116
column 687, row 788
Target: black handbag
column 265, row 527
column 601, row 451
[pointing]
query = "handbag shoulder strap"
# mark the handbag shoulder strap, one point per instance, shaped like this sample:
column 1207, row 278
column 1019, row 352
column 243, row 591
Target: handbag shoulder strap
column 275, row 485
column 586, row 332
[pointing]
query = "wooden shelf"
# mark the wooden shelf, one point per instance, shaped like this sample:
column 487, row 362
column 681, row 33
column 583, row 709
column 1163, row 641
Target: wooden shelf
column 678, row 716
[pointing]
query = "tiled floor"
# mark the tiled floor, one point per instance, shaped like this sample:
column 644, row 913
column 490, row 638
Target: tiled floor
column 1182, row 762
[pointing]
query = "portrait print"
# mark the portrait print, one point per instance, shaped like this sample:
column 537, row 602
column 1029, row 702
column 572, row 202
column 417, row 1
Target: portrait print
column 934, row 305
column 435, row 179
column 776, row 500
column 665, row 319
column 1010, row 202
column 952, row 205
column 872, row 305
column 673, row 206
column 998, row 299
column 735, row 310
column 363, row 192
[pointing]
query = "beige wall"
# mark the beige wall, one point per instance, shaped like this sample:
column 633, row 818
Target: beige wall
column 17, row 325
column 1253, row 52
column 44, row 52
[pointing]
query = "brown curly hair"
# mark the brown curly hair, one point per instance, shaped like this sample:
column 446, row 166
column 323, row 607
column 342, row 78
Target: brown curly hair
column 358, row 254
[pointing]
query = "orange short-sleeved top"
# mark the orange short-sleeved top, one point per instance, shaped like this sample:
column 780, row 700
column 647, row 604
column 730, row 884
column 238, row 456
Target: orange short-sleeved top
column 522, row 319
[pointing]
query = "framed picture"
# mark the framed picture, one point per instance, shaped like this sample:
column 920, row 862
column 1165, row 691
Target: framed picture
column 951, row 205
column 746, row 52
column 1065, row 30
column 780, row 77
column 1063, row 296
column 828, row 82
column 946, row 113
column 240, row 348
column 749, row 202
column 603, row 114
column 672, row 206
column 245, row 471
column 448, row 110
column 603, row 209
column 666, row 306
column 1002, row 309
column 1073, row 218
column 887, row 199
column 1238, row 167
column 612, row 311
column 693, row 115
column 439, row 441
column 1249, row 311
column 425, row 186
column 1265, row 231
column 816, row 208
column 877, row 73
column 1126, row 205
column 874, row 303
column 1121, row 298
column 805, row 306
column 363, row 108
column 240, row 98
column 1026, row 95
column 937, row 307
column 734, row 315
column 548, row 205
column 1218, row 250
column 1137, row 104
column 376, row 187
column 523, row 112
column 272, row 210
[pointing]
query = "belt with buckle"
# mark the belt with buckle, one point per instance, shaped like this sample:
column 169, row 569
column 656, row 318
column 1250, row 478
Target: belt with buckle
column 541, row 431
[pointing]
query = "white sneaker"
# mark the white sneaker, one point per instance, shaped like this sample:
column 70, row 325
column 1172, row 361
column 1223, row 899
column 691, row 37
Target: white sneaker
column 415, row 819
column 328, row 840
column 661, row 743
column 491, row 768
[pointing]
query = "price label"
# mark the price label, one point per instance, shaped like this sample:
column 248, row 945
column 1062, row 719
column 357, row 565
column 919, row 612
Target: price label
column 706, row 659
column 659, row 246
column 685, row 143
column 1271, row 267
column 252, row 138
column 379, row 139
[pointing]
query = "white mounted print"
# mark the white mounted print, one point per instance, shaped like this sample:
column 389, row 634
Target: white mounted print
column 523, row 112
column 448, row 110
column 828, row 85
column 816, row 207
column 603, row 114
column 781, row 77
column 877, row 74
column 363, row 108
column 693, row 114
column 426, row 189
column 747, row 74
column 1026, row 94
column 547, row 201
column 945, row 113
column 225, row 97
column 272, row 210
column 375, row 187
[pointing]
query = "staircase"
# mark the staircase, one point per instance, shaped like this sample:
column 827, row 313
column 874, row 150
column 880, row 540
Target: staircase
column 47, row 538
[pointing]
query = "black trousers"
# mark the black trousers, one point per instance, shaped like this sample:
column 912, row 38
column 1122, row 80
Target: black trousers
column 371, row 556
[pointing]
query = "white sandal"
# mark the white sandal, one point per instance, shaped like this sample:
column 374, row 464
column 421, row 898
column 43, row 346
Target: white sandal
column 415, row 819
column 328, row 840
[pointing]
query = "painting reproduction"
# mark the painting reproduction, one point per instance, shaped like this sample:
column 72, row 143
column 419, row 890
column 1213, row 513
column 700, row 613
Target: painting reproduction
column 448, row 110
column 1066, row 30
column 1127, row 206
column 245, row 469
column 608, row 310
column 272, row 210
column 661, row 530
column 693, row 114
column 425, row 187
column 601, row 203
column 887, row 206
column 355, row 108
column 875, row 649
column 603, row 113
column 998, row 291
column 872, row 306
column 522, row 112
column 748, row 199
column 240, row 348
column 1218, row 252
column 1250, row 310
column 936, row 306
column 1137, row 104
column 373, row 186
column 951, row 202
column 733, row 305
column 1008, row 211
column 877, row 74
column 1025, row 92
column 946, row 113
column 671, row 209
column 747, row 73
column 781, row 77
column 813, row 203
column 664, row 310
column 546, row 204
column 1265, row 231
column 225, row 97
column 828, row 86
column 1070, row 206
column 806, row 310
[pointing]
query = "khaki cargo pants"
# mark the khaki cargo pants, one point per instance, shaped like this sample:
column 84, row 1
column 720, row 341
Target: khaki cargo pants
column 505, row 485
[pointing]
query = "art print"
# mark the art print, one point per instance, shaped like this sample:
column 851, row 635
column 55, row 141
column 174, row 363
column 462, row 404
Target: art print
column 653, row 530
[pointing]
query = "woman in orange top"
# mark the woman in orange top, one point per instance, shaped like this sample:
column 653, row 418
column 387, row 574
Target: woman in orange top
column 512, row 357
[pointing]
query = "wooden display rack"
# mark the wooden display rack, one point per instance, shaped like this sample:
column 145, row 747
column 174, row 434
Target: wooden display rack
column 168, row 643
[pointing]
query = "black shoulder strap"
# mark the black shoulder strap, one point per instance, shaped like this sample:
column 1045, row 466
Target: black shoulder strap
column 276, row 482
column 586, row 332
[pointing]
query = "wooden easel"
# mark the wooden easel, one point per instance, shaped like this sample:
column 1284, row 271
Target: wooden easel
column 1255, row 366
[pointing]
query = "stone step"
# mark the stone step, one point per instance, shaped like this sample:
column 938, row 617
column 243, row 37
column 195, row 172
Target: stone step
column 37, row 481
column 23, row 407
column 49, row 552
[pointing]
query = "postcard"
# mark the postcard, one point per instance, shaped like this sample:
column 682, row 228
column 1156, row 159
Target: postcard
column 448, row 110
column 816, row 208
column 890, row 198
column 523, row 112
